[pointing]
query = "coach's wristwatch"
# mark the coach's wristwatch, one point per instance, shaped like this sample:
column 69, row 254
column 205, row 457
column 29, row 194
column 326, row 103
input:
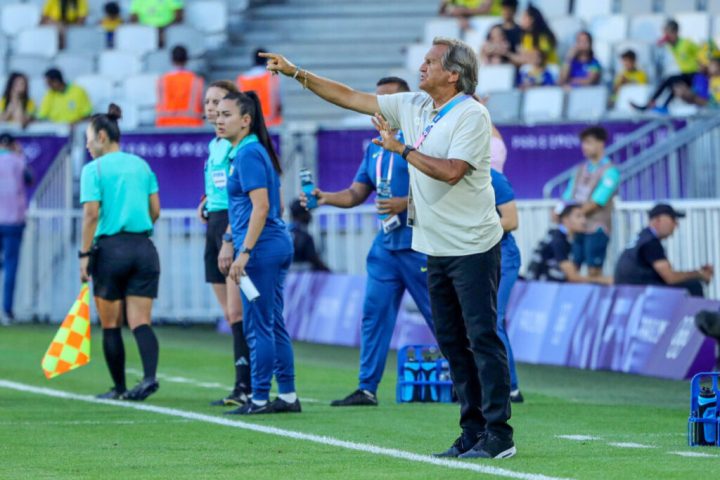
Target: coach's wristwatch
column 246, row 250
column 407, row 151
column 227, row 237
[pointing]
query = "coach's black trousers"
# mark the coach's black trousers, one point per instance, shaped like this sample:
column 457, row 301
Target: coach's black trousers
column 463, row 296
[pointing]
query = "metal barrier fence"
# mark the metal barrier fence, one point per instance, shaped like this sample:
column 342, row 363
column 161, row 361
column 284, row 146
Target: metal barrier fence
column 49, row 277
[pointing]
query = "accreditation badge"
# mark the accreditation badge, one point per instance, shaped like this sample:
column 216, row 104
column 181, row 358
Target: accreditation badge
column 219, row 179
column 390, row 224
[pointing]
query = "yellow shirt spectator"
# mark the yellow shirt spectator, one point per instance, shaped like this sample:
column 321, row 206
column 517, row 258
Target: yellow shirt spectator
column 636, row 77
column 686, row 53
column 714, row 91
column 67, row 106
column 111, row 24
column 75, row 11
column 156, row 13
column 544, row 46
column 495, row 9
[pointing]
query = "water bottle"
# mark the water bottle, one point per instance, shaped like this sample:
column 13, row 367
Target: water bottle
column 383, row 193
column 308, row 186
column 429, row 368
column 707, row 401
column 445, row 390
column 411, row 374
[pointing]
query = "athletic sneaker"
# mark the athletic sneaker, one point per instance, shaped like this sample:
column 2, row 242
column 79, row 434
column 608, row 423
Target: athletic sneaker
column 142, row 390
column 491, row 446
column 236, row 398
column 356, row 399
column 251, row 408
column 516, row 396
column 113, row 394
column 461, row 445
column 281, row 406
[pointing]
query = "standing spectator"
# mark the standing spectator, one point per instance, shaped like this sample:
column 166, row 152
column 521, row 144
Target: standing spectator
column 16, row 106
column 14, row 177
column 266, row 86
column 157, row 13
column 306, row 256
column 631, row 74
column 581, row 68
column 513, row 32
column 496, row 48
column 593, row 186
column 452, row 210
column 644, row 262
column 463, row 10
column 180, row 94
column 110, row 22
column 536, row 73
column 536, row 36
column 63, row 102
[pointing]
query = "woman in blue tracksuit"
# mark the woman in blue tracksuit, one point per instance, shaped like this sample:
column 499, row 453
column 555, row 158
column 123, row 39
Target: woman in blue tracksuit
column 263, row 250
column 509, row 267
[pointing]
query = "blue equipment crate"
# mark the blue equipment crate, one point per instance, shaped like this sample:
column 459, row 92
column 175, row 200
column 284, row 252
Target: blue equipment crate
column 702, row 428
column 423, row 375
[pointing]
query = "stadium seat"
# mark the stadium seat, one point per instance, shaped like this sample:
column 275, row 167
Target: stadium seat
column 604, row 54
column 16, row 17
column 481, row 26
column 3, row 81
column 678, row 108
column 639, row 94
column 141, row 91
column 543, row 103
column 158, row 62
column 207, row 16
column 565, row 29
column 30, row 65
column 587, row 103
column 611, row 28
column 412, row 77
column 99, row 88
column 137, row 39
column 118, row 65
column 41, row 41
column 553, row 8
column 712, row 6
column 441, row 27
column 589, row 9
column 415, row 56
column 38, row 87
column 504, row 107
column 672, row 7
column 694, row 25
column 495, row 78
column 475, row 39
column 130, row 115
column 636, row 7
column 74, row 65
column 647, row 28
column 84, row 39
column 187, row 36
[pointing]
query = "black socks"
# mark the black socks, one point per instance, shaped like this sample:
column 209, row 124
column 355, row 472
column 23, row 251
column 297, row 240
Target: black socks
column 241, row 353
column 115, row 356
column 148, row 347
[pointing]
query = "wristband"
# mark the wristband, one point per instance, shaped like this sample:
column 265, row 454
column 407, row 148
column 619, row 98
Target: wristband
column 227, row 237
column 246, row 250
column 407, row 151
column 82, row 254
column 296, row 73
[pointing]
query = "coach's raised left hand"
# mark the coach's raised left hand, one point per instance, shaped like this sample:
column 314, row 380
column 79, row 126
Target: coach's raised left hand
column 387, row 134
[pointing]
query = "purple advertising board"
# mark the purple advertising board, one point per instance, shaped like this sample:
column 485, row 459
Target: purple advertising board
column 40, row 151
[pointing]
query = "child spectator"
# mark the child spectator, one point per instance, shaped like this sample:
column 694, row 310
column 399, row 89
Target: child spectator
column 630, row 74
column 536, row 73
column 581, row 68
column 110, row 22
column 15, row 104
column 496, row 48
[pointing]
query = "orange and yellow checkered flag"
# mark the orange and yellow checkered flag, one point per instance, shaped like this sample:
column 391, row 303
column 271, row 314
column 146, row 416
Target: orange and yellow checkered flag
column 70, row 348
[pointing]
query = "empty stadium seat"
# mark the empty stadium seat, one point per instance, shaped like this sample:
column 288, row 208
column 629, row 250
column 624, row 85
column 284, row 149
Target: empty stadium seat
column 441, row 27
column 137, row 39
column 207, row 16
column 565, row 29
column 588, row 9
column 41, row 41
column 638, row 94
column 636, row 7
column 647, row 28
column 141, row 90
column 74, row 65
column 16, row 17
column 38, row 88
column 118, row 65
column 671, row 7
column 504, row 107
column 481, row 26
column 475, row 39
column 604, row 54
column 553, row 8
column 694, row 25
column 415, row 56
column 3, row 81
column 30, row 65
column 187, row 36
column 100, row 90
column 158, row 62
column 712, row 6
column 587, row 103
column 84, row 39
column 543, row 103
column 495, row 78
column 678, row 108
column 611, row 28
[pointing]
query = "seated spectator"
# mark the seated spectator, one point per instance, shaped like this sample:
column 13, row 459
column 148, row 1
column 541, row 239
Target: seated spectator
column 536, row 36
column 630, row 74
column 644, row 262
column 63, row 103
column 496, row 48
column 305, row 257
column 180, row 94
column 705, row 89
column 551, row 258
column 64, row 12
column 15, row 104
column 463, row 10
column 512, row 30
column 535, row 74
column 581, row 68
column 157, row 13
column 110, row 22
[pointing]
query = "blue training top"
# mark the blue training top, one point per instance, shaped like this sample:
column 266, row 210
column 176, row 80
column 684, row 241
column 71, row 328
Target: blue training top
column 505, row 194
column 252, row 169
column 401, row 237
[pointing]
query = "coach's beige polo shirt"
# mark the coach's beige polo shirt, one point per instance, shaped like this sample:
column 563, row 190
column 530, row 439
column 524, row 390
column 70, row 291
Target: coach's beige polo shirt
column 450, row 220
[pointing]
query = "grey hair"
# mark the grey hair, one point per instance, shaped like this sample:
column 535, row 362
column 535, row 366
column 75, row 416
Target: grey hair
column 460, row 58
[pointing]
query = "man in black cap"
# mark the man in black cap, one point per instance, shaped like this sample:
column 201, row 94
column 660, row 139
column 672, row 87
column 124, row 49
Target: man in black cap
column 644, row 262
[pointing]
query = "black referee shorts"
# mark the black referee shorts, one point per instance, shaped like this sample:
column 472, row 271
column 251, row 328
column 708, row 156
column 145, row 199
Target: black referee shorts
column 216, row 226
column 125, row 264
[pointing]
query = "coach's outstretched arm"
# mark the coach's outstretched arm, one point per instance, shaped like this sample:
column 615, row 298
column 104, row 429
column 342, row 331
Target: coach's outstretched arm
column 330, row 90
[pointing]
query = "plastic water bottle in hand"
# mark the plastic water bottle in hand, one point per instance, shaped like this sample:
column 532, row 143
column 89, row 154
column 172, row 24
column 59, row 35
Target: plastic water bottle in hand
column 383, row 193
column 308, row 186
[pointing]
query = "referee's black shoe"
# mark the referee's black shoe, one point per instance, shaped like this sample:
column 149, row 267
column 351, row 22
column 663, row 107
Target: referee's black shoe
column 356, row 399
column 251, row 408
column 237, row 398
column 113, row 394
column 462, row 444
column 142, row 390
column 281, row 406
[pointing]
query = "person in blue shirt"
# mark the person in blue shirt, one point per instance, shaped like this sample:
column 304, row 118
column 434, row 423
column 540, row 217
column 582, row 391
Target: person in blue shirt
column 263, row 250
column 392, row 265
column 213, row 211
column 581, row 68
column 119, row 195
column 509, row 267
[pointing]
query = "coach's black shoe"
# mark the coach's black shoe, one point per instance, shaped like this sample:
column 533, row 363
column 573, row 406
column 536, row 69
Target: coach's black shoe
column 516, row 396
column 356, row 399
column 142, row 390
column 251, row 408
column 281, row 406
column 491, row 446
column 461, row 445
column 113, row 394
column 237, row 398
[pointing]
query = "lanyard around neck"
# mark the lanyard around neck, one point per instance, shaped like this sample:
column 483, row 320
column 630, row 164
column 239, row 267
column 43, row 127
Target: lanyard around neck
column 449, row 106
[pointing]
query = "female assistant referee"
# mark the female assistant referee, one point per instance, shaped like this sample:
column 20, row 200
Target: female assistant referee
column 263, row 249
column 119, row 193
column 213, row 210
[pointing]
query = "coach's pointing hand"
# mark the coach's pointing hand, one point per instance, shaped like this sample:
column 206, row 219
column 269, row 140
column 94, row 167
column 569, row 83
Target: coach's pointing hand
column 276, row 63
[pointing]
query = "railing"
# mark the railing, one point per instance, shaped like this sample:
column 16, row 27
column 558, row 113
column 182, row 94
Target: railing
column 49, row 277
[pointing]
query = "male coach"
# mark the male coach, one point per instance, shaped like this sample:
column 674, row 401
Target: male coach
column 451, row 208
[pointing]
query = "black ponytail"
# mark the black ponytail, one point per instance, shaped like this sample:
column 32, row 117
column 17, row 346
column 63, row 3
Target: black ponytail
column 108, row 122
column 249, row 104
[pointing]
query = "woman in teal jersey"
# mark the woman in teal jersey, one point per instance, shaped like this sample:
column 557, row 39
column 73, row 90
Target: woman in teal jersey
column 213, row 210
column 119, row 194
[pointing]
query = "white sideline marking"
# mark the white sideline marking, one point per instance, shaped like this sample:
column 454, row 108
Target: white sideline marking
column 308, row 437
column 578, row 438
column 94, row 422
column 197, row 383
column 629, row 445
column 694, row 454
